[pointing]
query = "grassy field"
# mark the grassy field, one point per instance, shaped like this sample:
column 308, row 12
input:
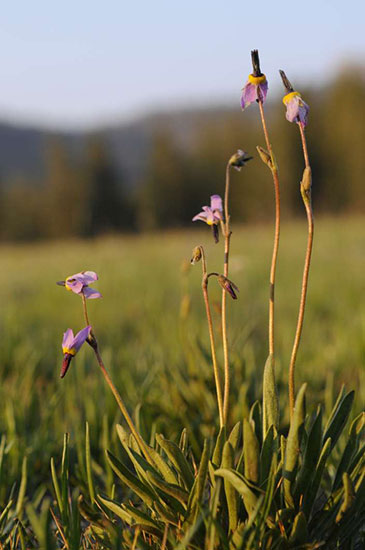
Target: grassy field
column 151, row 328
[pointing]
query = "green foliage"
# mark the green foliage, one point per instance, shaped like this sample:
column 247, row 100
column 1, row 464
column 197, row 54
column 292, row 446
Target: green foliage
column 293, row 504
column 173, row 384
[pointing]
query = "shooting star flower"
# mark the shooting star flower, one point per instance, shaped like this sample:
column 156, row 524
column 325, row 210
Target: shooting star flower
column 71, row 345
column 296, row 109
column 212, row 215
column 228, row 286
column 256, row 86
column 79, row 284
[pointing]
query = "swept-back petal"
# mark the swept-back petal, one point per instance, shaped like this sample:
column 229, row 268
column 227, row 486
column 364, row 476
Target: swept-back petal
column 216, row 203
column 88, row 277
column 81, row 337
column 68, row 338
column 249, row 95
column 292, row 109
column 201, row 217
column 90, row 293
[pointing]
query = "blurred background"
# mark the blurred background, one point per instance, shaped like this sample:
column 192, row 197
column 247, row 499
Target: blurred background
column 121, row 117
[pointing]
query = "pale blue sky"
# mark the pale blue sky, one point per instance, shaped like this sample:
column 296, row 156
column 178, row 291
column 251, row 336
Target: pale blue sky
column 75, row 64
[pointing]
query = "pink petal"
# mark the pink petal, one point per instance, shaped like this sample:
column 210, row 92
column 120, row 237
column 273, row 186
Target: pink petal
column 68, row 338
column 216, row 203
column 200, row 217
column 81, row 337
column 292, row 109
column 249, row 95
column 89, row 277
column 74, row 284
column 90, row 293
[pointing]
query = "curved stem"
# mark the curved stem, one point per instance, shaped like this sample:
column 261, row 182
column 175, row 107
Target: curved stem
column 227, row 239
column 275, row 177
column 123, row 408
column 94, row 344
column 306, row 195
column 211, row 337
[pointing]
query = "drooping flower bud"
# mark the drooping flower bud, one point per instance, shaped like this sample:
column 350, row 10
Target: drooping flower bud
column 228, row 286
column 196, row 255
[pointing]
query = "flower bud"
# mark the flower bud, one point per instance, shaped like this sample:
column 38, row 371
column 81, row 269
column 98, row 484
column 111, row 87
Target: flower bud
column 228, row 286
column 196, row 255
column 264, row 155
column 306, row 182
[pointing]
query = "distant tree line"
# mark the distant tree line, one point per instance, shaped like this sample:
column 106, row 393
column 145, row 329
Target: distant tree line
column 85, row 195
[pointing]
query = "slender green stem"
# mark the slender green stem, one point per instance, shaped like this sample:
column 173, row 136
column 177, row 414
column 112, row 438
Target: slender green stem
column 275, row 177
column 94, row 344
column 211, row 336
column 306, row 195
column 227, row 238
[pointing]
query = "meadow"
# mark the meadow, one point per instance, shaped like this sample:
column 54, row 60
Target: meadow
column 153, row 336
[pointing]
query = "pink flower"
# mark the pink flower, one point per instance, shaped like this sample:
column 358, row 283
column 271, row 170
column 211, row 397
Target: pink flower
column 212, row 215
column 256, row 86
column 71, row 345
column 296, row 109
column 79, row 284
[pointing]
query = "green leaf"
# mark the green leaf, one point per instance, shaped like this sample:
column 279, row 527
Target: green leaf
column 56, row 487
column 270, row 399
column 217, row 453
column 41, row 525
column 347, row 459
column 338, row 419
column 293, row 445
column 250, row 452
column 299, row 533
column 142, row 519
column 348, row 497
column 231, row 494
column 267, row 454
column 22, row 488
column 310, row 458
column 174, row 491
column 132, row 481
column 178, row 460
column 196, row 494
column 255, row 418
column 311, row 493
column 242, row 486
column 90, row 481
column 234, row 436
column 116, row 509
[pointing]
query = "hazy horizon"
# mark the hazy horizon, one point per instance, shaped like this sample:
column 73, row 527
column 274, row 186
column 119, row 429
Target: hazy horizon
column 77, row 66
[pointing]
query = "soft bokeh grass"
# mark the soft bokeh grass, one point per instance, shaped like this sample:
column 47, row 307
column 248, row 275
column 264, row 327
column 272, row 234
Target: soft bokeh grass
column 158, row 356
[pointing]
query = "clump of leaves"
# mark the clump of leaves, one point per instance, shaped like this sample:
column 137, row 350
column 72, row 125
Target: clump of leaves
column 247, row 489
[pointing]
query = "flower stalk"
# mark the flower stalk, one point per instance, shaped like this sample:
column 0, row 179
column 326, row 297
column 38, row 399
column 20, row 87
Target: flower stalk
column 92, row 341
column 297, row 111
column 205, row 278
column 226, row 230
column 305, row 189
column 274, row 171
